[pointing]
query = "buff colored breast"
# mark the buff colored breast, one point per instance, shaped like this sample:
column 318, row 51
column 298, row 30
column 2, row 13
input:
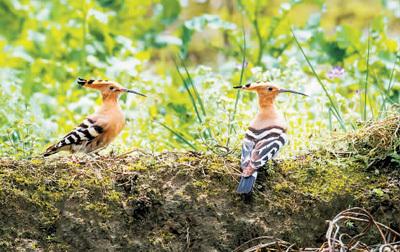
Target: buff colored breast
column 112, row 120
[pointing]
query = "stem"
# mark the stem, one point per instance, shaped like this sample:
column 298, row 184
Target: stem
column 240, row 83
column 260, row 42
column 84, row 31
column 199, row 100
column 178, row 135
column 366, row 79
column 258, row 33
column 383, row 107
column 189, row 92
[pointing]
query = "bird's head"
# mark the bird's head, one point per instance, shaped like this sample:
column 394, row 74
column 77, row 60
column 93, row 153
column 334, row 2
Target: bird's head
column 266, row 89
column 107, row 88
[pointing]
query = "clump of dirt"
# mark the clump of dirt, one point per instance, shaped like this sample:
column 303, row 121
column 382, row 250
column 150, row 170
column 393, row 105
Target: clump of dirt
column 187, row 201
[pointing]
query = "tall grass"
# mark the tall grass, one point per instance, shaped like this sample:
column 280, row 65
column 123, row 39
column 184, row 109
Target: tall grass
column 186, row 82
column 383, row 107
column 263, row 42
column 178, row 135
column 232, row 117
column 187, row 88
column 83, row 55
column 335, row 109
column 196, row 100
column 364, row 117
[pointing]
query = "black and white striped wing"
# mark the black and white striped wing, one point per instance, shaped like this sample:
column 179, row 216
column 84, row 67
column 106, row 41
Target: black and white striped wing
column 259, row 146
column 79, row 138
column 247, row 148
column 268, row 142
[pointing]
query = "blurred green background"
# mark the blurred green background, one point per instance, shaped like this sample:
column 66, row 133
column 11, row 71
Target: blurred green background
column 186, row 55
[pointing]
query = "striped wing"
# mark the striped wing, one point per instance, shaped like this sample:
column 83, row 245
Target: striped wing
column 78, row 139
column 262, row 145
column 247, row 148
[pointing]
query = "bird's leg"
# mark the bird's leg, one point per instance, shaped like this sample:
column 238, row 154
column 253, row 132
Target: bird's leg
column 111, row 153
column 91, row 155
column 96, row 153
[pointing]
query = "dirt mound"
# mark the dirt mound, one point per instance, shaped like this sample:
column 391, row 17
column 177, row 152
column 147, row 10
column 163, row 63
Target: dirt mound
column 187, row 201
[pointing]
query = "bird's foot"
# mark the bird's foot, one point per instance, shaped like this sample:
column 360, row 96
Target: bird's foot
column 96, row 154
column 94, row 157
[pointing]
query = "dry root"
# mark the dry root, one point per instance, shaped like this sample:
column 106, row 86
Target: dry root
column 351, row 230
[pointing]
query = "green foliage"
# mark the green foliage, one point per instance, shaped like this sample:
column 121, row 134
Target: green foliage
column 337, row 113
column 191, row 103
column 198, row 24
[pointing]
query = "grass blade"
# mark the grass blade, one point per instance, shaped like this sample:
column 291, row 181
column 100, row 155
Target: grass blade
column 366, row 79
column 383, row 106
column 335, row 110
column 189, row 92
column 232, row 117
column 392, row 75
column 178, row 135
column 199, row 100
column 194, row 97
column 258, row 33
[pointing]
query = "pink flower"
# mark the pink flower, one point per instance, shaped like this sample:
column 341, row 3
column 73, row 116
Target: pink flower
column 336, row 72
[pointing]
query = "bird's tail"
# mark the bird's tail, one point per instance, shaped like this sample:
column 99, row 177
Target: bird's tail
column 51, row 150
column 246, row 183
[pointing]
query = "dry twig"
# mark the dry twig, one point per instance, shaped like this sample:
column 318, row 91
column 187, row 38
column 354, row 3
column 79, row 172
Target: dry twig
column 341, row 236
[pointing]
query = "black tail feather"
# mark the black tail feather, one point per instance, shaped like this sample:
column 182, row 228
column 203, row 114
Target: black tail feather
column 246, row 184
column 50, row 151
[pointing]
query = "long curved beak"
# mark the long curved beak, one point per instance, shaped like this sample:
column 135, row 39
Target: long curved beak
column 290, row 91
column 132, row 92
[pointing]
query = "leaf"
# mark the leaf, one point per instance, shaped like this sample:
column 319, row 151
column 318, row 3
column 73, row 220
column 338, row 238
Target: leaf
column 198, row 24
column 170, row 12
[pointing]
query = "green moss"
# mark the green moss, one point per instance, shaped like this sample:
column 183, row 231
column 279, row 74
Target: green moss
column 200, row 184
column 100, row 209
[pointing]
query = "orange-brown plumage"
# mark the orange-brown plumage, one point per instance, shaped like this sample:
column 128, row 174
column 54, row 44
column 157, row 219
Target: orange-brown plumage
column 267, row 115
column 99, row 129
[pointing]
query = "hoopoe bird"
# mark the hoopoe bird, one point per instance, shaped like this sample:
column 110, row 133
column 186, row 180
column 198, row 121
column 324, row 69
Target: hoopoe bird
column 99, row 129
column 265, row 136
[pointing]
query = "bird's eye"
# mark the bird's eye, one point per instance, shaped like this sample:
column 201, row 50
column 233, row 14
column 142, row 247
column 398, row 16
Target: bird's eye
column 111, row 88
column 270, row 89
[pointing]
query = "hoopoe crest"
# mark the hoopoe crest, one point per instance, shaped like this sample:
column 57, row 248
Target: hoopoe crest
column 99, row 129
column 265, row 136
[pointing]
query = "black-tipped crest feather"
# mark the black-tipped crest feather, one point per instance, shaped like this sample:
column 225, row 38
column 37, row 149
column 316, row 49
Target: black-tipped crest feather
column 81, row 81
